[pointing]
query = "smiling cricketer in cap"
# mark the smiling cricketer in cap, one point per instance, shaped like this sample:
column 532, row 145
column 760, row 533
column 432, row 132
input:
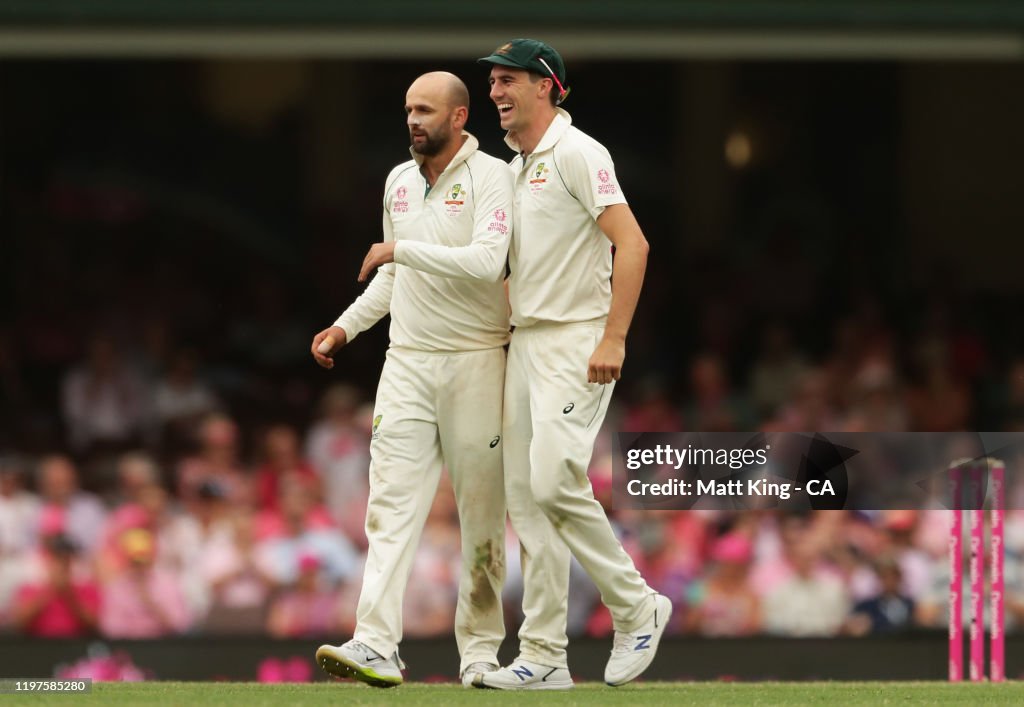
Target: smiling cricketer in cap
column 522, row 59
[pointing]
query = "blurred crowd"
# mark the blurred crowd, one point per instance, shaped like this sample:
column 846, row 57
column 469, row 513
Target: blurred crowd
column 161, row 514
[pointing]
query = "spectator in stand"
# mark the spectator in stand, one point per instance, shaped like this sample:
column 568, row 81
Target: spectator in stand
column 890, row 611
column 282, row 459
column 182, row 400
column 216, row 461
column 723, row 604
column 900, row 528
column 307, row 608
column 179, row 538
column 143, row 600
column 239, row 583
column 133, row 473
column 104, row 404
column 849, row 554
column 110, row 558
column 212, row 514
column 62, row 605
column 300, row 533
column 338, row 448
column 19, row 511
column 811, row 602
column 33, row 565
column 84, row 514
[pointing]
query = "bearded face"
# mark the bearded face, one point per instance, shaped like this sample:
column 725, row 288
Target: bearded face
column 429, row 140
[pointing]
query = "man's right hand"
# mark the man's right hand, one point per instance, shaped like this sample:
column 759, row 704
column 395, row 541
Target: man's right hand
column 326, row 360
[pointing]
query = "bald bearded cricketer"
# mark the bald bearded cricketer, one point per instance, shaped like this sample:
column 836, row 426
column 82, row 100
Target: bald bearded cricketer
column 571, row 317
column 447, row 224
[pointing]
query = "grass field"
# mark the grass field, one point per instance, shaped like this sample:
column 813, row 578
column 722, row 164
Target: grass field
column 195, row 694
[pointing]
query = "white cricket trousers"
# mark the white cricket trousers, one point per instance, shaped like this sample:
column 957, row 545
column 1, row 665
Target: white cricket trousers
column 552, row 416
column 432, row 409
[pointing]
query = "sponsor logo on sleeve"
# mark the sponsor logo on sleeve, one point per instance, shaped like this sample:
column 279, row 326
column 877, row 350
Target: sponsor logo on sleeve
column 606, row 185
column 400, row 205
column 498, row 225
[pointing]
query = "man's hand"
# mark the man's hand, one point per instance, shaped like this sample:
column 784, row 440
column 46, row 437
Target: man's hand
column 379, row 254
column 605, row 363
column 326, row 360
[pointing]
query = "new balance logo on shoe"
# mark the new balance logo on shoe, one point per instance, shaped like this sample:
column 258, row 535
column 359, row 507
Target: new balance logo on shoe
column 522, row 673
column 525, row 675
column 643, row 642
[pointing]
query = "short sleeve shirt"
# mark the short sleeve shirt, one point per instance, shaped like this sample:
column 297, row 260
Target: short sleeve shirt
column 560, row 260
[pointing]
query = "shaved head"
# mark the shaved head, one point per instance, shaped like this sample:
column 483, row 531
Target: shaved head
column 442, row 86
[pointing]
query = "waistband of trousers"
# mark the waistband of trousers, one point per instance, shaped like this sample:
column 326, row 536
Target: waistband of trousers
column 539, row 327
column 424, row 352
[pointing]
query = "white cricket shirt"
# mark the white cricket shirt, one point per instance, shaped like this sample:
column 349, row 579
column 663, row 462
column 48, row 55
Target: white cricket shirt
column 561, row 261
column 444, row 291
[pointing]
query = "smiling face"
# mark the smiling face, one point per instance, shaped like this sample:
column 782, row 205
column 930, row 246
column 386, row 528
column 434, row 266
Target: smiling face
column 432, row 118
column 518, row 95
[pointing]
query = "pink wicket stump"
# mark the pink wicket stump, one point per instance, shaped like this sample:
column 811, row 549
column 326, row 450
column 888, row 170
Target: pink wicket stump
column 956, row 578
column 997, row 665
column 976, row 527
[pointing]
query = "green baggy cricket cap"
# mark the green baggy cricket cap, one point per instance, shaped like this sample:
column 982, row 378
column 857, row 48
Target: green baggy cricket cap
column 532, row 55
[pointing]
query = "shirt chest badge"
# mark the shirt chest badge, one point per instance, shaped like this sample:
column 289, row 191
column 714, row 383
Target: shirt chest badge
column 455, row 200
column 538, row 178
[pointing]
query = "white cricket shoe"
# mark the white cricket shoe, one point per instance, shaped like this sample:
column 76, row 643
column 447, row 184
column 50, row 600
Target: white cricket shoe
column 525, row 675
column 474, row 669
column 358, row 661
column 633, row 652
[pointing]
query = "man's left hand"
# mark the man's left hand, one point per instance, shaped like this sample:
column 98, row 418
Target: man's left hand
column 379, row 254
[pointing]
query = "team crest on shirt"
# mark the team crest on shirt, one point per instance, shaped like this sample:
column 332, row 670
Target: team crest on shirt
column 400, row 205
column 375, row 432
column 538, row 177
column 606, row 186
column 455, row 200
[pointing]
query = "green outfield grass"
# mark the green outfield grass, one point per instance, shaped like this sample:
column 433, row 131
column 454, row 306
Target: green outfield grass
column 197, row 694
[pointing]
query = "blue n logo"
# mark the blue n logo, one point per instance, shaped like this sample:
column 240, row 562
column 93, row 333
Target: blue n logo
column 523, row 673
column 643, row 642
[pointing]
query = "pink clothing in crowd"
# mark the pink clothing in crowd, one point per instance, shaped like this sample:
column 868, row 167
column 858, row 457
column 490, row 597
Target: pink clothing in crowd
column 126, row 613
column 57, row 618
